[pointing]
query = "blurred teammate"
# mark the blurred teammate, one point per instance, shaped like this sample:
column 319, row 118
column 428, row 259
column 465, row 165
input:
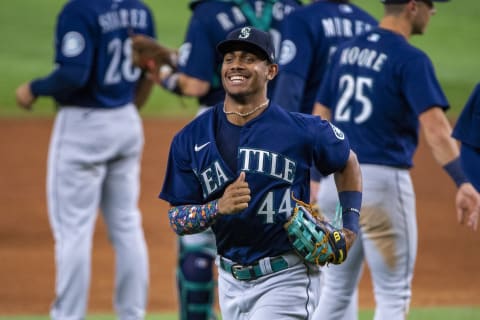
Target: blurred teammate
column 95, row 150
column 226, row 172
column 309, row 37
column 379, row 89
column 467, row 131
column 198, row 75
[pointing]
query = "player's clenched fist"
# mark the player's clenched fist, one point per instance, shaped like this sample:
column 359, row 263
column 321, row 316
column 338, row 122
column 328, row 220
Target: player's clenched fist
column 24, row 96
column 236, row 196
column 467, row 202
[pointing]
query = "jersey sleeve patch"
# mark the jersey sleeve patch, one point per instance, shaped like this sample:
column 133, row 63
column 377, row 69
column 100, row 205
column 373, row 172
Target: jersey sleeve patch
column 287, row 52
column 73, row 44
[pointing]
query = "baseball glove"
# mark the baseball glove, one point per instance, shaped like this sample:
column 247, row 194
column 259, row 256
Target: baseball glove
column 313, row 238
column 149, row 54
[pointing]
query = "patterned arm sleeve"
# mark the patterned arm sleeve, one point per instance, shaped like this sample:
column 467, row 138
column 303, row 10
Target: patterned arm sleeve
column 189, row 219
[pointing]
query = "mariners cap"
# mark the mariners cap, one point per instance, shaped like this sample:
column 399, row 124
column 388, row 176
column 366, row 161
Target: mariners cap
column 407, row 1
column 250, row 39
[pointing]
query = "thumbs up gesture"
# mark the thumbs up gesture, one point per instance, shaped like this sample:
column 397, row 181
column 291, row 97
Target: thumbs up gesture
column 235, row 197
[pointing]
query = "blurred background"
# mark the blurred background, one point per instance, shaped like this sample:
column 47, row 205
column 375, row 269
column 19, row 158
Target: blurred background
column 448, row 265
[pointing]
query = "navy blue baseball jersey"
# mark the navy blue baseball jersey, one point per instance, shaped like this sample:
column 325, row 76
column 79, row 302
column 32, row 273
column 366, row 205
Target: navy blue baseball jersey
column 310, row 35
column 382, row 127
column 93, row 53
column 210, row 23
column 467, row 130
column 275, row 168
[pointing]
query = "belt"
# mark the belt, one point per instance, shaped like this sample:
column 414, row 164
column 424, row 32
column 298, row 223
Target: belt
column 254, row 271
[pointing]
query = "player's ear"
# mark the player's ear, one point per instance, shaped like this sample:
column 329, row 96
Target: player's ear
column 272, row 71
column 412, row 7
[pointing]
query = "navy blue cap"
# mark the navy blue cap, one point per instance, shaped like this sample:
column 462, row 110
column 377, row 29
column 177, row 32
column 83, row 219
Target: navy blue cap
column 407, row 1
column 249, row 38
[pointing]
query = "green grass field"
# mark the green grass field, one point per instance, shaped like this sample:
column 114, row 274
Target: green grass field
column 416, row 314
column 452, row 41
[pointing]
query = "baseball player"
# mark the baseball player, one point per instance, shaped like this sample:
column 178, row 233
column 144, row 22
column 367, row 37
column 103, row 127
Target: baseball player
column 379, row 89
column 466, row 131
column 309, row 36
column 198, row 76
column 226, row 172
column 95, row 150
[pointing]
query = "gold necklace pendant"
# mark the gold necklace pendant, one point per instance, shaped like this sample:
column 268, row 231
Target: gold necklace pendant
column 246, row 114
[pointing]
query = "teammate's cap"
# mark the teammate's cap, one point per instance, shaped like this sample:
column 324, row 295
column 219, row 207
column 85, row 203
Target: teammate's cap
column 407, row 1
column 249, row 38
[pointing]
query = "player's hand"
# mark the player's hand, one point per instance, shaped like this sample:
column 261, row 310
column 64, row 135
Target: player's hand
column 158, row 75
column 467, row 202
column 24, row 96
column 236, row 196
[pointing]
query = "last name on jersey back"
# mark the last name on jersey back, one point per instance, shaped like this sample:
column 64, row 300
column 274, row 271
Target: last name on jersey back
column 123, row 18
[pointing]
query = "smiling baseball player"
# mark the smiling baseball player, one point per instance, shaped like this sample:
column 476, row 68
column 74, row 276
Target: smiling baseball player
column 235, row 168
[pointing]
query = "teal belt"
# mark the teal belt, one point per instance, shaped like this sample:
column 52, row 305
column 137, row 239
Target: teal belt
column 253, row 271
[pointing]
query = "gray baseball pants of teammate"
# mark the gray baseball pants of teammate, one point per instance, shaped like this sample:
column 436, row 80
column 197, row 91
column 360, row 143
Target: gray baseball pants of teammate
column 94, row 161
column 388, row 244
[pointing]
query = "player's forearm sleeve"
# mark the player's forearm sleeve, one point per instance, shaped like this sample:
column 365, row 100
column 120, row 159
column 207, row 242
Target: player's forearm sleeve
column 351, row 202
column 61, row 80
column 189, row 219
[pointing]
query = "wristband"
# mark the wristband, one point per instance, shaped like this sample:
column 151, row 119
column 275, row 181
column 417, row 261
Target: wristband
column 171, row 83
column 455, row 171
column 189, row 219
column 350, row 203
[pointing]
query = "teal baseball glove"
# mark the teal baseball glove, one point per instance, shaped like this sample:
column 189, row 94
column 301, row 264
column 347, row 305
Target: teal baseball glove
column 313, row 238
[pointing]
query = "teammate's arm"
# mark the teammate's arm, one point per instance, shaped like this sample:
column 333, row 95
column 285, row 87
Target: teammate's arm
column 143, row 90
column 437, row 131
column 65, row 78
column 179, row 83
column 322, row 111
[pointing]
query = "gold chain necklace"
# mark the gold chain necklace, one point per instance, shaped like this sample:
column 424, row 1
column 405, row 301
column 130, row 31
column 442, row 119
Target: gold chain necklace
column 246, row 114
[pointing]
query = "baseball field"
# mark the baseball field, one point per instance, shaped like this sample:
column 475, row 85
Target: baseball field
column 446, row 282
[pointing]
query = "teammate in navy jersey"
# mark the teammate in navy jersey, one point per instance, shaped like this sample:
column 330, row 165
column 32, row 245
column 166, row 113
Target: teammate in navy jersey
column 199, row 76
column 379, row 90
column 467, row 131
column 211, row 21
column 95, row 150
column 309, row 36
column 225, row 171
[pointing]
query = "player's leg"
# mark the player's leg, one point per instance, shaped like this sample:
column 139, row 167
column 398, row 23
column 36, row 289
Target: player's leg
column 390, row 238
column 73, row 191
column 196, row 286
column 122, row 216
column 338, row 290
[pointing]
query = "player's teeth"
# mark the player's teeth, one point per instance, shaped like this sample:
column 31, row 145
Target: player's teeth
column 236, row 78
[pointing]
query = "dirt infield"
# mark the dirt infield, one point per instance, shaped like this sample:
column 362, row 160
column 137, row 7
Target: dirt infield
column 447, row 270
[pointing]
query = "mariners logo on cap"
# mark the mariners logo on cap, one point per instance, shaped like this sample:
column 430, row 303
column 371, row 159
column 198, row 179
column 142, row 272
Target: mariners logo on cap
column 244, row 33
